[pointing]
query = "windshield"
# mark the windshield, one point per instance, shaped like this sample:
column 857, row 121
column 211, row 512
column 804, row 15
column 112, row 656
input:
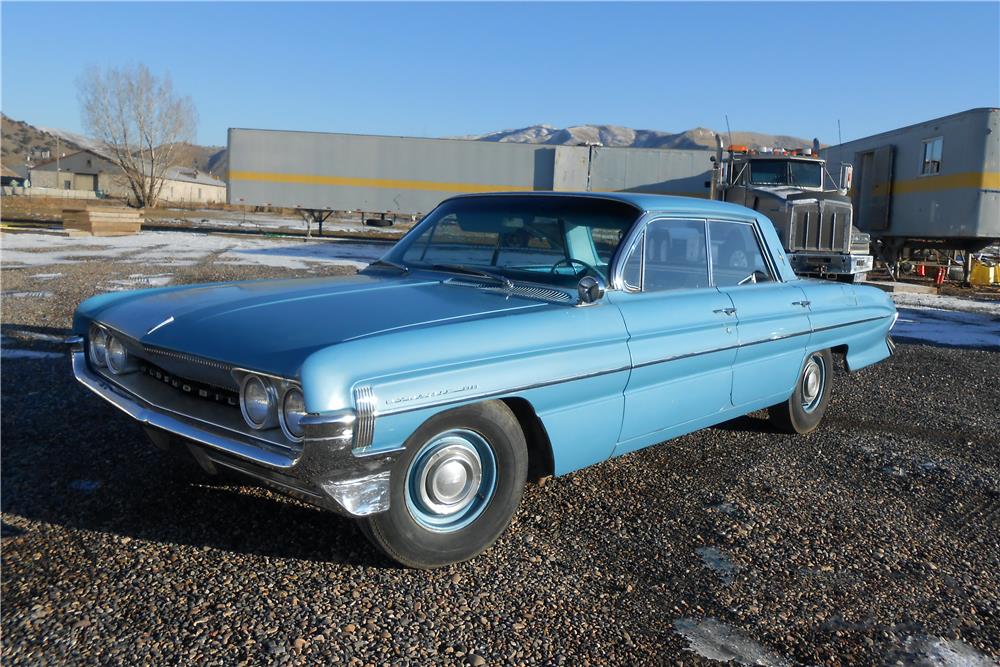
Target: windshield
column 799, row 173
column 538, row 238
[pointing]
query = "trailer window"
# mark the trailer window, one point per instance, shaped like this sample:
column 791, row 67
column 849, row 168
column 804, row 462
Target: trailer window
column 932, row 156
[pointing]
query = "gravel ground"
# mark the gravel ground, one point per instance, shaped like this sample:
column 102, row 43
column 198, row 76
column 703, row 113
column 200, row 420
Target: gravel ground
column 871, row 541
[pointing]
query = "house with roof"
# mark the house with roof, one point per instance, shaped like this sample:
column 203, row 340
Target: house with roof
column 88, row 171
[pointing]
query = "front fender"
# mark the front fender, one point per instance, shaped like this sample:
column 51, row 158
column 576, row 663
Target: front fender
column 412, row 374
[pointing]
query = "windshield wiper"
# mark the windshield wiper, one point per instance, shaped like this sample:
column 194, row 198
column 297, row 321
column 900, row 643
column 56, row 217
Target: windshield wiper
column 388, row 262
column 474, row 271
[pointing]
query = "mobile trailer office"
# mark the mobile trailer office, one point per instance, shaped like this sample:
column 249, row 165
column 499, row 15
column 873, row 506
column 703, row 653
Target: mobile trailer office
column 934, row 184
column 318, row 172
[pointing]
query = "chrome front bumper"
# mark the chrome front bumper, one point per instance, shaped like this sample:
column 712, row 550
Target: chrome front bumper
column 325, row 472
column 830, row 263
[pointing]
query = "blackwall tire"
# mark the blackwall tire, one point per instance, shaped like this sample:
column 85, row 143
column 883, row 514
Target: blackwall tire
column 454, row 489
column 804, row 410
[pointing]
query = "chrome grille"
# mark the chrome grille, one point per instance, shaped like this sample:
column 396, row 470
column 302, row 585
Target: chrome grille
column 366, row 406
column 820, row 225
column 191, row 387
column 190, row 358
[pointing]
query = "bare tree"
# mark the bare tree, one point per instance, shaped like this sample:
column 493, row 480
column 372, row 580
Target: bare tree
column 139, row 121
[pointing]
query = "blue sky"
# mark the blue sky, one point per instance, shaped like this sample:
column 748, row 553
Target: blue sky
column 451, row 69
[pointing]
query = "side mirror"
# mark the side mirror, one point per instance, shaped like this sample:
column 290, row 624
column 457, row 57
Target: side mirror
column 846, row 176
column 590, row 290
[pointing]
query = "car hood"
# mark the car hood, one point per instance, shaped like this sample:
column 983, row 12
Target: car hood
column 273, row 325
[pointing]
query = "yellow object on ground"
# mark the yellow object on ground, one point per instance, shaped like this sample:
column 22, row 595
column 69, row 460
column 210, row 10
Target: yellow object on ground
column 983, row 274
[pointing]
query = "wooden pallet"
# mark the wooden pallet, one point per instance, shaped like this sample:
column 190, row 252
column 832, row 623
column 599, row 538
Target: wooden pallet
column 101, row 221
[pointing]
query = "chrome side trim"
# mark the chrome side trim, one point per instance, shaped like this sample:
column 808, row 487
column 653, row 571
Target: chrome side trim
column 537, row 385
column 502, row 392
column 367, row 407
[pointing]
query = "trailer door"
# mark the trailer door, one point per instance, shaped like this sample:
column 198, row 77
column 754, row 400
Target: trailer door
column 874, row 188
column 572, row 165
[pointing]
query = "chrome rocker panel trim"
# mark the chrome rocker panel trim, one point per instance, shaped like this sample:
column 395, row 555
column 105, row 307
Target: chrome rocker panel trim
column 325, row 473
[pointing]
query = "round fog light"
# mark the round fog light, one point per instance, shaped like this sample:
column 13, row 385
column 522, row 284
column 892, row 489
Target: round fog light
column 98, row 346
column 293, row 409
column 257, row 402
column 117, row 355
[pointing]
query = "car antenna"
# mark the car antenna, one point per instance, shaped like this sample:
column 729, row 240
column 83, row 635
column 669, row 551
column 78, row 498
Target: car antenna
column 729, row 130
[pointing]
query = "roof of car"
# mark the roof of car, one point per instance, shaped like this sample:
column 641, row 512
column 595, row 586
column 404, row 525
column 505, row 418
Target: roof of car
column 644, row 201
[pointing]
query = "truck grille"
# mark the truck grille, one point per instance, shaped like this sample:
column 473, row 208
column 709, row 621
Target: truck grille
column 820, row 225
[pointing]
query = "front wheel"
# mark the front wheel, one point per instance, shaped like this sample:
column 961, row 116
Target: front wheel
column 454, row 489
column 803, row 411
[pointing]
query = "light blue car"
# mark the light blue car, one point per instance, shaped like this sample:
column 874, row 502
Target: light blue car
column 506, row 337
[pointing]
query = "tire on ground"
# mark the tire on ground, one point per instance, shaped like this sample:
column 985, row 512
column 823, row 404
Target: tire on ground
column 397, row 532
column 793, row 416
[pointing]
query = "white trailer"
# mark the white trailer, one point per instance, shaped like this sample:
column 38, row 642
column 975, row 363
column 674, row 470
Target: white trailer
column 931, row 185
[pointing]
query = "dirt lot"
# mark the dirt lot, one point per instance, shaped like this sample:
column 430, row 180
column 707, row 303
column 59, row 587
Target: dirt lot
column 872, row 541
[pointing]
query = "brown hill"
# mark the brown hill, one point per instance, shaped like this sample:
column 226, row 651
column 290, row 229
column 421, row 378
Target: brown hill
column 20, row 139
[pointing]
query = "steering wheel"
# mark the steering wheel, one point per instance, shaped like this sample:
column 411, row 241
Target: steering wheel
column 569, row 261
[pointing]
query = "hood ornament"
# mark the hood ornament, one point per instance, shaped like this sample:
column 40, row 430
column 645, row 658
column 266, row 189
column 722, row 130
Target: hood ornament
column 161, row 324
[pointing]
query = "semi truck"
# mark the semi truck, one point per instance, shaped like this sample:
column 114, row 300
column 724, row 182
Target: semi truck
column 811, row 212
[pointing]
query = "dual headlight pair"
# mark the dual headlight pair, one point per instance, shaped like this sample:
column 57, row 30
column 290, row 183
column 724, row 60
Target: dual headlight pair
column 265, row 403
column 107, row 351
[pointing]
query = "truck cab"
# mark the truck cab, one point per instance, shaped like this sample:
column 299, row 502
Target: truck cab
column 810, row 211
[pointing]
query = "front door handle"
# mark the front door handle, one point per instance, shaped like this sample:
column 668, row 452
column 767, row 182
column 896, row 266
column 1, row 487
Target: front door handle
column 725, row 311
column 804, row 304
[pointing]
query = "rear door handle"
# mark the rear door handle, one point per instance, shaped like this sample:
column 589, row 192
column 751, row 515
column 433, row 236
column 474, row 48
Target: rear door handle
column 804, row 304
column 725, row 311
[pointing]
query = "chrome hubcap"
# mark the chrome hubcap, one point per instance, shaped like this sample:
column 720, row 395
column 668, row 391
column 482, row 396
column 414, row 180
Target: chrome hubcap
column 813, row 381
column 451, row 480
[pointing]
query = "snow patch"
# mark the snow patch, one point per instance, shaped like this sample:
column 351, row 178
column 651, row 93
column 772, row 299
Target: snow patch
column 717, row 641
column 35, row 335
column 949, row 328
column 942, row 302
column 717, row 562
column 138, row 280
column 185, row 248
column 937, row 652
column 29, row 295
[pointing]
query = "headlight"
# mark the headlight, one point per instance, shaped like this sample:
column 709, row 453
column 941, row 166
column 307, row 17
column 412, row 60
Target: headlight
column 116, row 355
column 293, row 409
column 257, row 402
column 98, row 346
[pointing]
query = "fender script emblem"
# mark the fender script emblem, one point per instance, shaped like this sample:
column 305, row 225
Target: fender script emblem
column 431, row 394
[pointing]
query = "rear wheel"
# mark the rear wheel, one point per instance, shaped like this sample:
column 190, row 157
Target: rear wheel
column 804, row 410
column 454, row 489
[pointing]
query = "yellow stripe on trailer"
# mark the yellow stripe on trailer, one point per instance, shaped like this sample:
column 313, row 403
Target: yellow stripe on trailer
column 384, row 183
column 977, row 180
